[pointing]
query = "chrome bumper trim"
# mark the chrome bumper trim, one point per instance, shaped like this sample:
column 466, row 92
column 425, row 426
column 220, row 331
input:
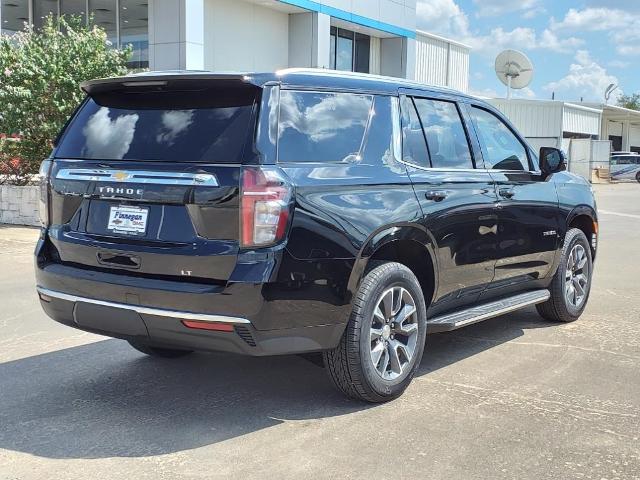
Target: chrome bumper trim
column 203, row 317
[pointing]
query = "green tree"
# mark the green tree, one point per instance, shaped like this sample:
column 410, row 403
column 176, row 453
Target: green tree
column 40, row 74
column 630, row 101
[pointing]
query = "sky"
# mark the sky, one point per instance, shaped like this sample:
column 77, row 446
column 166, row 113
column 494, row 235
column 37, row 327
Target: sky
column 577, row 47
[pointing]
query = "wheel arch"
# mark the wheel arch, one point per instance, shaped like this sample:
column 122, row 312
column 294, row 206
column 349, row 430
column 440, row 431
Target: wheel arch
column 585, row 218
column 409, row 245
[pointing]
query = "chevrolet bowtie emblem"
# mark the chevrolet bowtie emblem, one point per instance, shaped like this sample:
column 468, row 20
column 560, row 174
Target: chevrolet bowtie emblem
column 120, row 176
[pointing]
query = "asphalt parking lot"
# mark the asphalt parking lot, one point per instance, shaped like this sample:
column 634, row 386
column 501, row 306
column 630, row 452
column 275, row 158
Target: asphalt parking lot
column 513, row 397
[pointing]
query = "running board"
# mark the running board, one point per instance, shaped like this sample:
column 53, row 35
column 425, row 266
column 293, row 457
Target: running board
column 461, row 318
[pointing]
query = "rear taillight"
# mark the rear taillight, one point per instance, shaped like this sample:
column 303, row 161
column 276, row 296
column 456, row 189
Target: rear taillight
column 43, row 197
column 265, row 206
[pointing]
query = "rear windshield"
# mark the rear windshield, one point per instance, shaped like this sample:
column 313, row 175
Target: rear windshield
column 207, row 125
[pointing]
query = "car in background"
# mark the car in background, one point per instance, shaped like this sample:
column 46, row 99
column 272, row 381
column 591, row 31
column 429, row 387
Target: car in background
column 625, row 166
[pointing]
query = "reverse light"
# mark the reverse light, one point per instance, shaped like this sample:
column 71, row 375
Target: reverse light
column 43, row 195
column 264, row 206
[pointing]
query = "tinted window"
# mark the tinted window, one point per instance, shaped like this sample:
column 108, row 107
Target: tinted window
column 378, row 145
column 625, row 160
column 159, row 127
column 414, row 148
column 322, row 127
column 500, row 147
column 446, row 137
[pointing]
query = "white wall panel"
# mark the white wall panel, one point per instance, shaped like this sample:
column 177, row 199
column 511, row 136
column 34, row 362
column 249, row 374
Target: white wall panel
column 442, row 63
column 615, row 129
column 578, row 120
column 533, row 118
column 243, row 36
column 459, row 68
column 634, row 136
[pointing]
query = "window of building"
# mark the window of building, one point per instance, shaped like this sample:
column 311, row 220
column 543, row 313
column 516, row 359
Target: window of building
column 14, row 15
column 446, row 137
column 41, row 10
column 74, row 7
column 134, row 28
column 125, row 21
column 501, row 149
column 105, row 16
column 414, row 148
column 349, row 50
column 322, row 127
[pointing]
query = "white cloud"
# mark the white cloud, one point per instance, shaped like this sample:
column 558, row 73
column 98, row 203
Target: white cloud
column 549, row 40
column 522, row 38
column 447, row 18
column 622, row 26
column 484, row 93
column 444, row 17
column 491, row 8
column 593, row 19
column 586, row 79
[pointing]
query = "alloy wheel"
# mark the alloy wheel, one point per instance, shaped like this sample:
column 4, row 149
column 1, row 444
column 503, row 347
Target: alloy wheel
column 394, row 333
column 577, row 277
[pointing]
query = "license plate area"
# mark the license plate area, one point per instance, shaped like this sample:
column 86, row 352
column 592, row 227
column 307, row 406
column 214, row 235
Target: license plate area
column 128, row 220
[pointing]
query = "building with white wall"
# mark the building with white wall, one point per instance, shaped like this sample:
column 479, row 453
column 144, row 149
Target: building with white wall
column 549, row 123
column 621, row 126
column 369, row 36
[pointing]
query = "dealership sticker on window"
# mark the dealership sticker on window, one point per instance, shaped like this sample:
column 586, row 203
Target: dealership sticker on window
column 128, row 220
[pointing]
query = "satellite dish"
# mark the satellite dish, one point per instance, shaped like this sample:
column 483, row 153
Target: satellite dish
column 514, row 69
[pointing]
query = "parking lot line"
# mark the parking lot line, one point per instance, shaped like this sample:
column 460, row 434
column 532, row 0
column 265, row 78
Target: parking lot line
column 630, row 215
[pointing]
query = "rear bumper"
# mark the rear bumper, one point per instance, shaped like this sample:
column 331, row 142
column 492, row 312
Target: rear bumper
column 278, row 306
column 165, row 328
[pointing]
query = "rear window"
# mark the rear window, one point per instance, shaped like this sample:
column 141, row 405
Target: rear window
column 322, row 127
column 207, row 125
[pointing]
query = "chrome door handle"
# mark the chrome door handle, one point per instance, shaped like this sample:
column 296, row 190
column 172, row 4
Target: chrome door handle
column 506, row 193
column 436, row 195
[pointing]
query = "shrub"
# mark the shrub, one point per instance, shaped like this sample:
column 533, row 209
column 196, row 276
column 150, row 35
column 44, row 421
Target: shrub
column 40, row 74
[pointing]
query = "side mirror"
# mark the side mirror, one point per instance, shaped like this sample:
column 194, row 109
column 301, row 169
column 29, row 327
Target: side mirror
column 552, row 160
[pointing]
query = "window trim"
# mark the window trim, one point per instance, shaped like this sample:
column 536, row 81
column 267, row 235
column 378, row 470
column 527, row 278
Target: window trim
column 325, row 92
column 474, row 165
column 402, row 99
column 463, row 120
column 526, row 147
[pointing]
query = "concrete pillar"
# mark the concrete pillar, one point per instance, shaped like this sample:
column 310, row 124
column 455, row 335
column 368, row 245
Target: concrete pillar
column 626, row 127
column 398, row 57
column 309, row 40
column 176, row 34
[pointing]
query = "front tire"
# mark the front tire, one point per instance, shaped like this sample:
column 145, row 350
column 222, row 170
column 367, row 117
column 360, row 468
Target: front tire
column 571, row 284
column 159, row 351
column 638, row 177
column 383, row 343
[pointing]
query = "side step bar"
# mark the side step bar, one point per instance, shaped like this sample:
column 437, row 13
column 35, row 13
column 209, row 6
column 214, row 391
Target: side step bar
column 461, row 318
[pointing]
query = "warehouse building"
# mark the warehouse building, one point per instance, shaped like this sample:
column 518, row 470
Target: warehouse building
column 588, row 132
column 370, row 36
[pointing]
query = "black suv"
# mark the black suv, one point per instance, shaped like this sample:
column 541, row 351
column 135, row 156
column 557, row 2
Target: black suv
column 304, row 211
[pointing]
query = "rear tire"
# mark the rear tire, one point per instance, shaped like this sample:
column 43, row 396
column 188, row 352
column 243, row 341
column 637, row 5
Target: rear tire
column 638, row 177
column 571, row 284
column 158, row 351
column 384, row 340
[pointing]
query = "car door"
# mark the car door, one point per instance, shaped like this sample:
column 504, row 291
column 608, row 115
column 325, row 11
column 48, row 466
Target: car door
column 527, row 206
column 457, row 199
